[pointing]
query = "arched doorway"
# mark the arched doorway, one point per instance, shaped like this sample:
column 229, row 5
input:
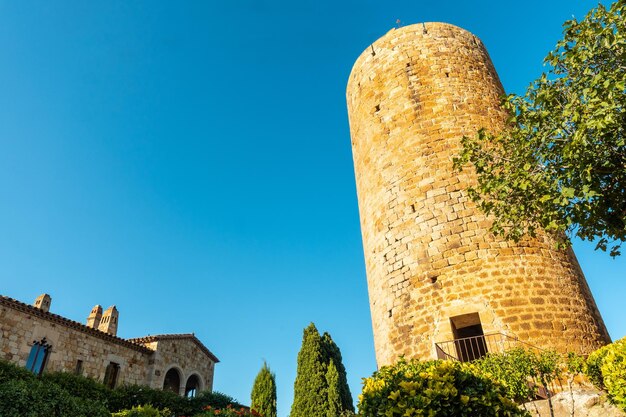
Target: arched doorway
column 172, row 381
column 192, row 386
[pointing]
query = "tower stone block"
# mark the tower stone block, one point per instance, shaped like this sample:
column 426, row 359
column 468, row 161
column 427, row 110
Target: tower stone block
column 95, row 317
column 108, row 323
column 43, row 302
column 433, row 268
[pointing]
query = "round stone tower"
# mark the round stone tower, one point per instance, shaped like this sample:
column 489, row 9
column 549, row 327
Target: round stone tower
column 440, row 284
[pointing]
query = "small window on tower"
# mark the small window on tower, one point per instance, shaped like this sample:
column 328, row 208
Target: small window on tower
column 469, row 338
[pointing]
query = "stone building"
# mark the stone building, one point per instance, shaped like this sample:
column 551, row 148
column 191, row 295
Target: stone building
column 440, row 284
column 33, row 337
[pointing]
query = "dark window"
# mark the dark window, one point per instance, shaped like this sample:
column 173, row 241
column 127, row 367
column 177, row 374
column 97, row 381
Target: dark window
column 110, row 375
column 469, row 338
column 38, row 356
column 79, row 367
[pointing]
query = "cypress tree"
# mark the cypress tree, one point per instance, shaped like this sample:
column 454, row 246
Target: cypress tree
column 264, row 393
column 334, row 354
column 310, row 388
column 334, row 396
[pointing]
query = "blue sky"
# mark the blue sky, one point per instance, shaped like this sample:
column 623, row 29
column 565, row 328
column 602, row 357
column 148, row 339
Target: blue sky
column 190, row 163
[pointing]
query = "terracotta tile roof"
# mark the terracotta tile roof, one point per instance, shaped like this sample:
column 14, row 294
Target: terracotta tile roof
column 55, row 318
column 157, row 337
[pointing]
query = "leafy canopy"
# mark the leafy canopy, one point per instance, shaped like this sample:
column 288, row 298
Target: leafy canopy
column 560, row 165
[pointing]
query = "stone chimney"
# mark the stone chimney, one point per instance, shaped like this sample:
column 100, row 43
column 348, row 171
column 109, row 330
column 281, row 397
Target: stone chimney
column 43, row 302
column 108, row 324
column 95, row 316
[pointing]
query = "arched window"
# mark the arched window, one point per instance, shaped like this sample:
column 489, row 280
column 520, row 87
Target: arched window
column 172, row 381
column 38, row 356
column 192, row 386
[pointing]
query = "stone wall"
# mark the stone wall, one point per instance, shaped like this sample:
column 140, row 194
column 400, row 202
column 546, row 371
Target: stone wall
column 21, row 324
column 183, row 355
column 142, row 361
column 429, row 255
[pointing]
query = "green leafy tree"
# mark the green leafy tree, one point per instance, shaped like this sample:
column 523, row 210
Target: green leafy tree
column 560, row 164
column 310, row 388
column 264, row 393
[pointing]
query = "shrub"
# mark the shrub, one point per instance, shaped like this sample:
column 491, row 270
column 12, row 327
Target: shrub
column 229, row 411
column 126, row 397
column 441, row 388
column 594, row 364
column 574, row 364
column 512, row 370
column 10, row 372
column 79, row 386
column 87, row 397
column 214, row 399
column 143, row 411
column 36, row 398
column 613, row 369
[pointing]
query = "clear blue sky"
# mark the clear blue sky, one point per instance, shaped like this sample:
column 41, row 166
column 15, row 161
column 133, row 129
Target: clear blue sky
column 190, row 162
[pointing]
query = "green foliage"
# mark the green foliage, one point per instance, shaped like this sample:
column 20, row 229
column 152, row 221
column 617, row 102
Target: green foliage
column 334, row 396
column 213, row 399
column 77, row 396
column 560, row 165
column 594, row 366
column 310, row 389
column 548, row 366
column 37, row 398
column 143, row 411
column 126, row 397
column 11, row 372
column 512, row 370
column 519, row 370
column 333, row 353
column 606, row 368
column 614, row 373
column 79, row 386
column 574, row 364
column 264, row 393
column 229, row 411
column 435, row 388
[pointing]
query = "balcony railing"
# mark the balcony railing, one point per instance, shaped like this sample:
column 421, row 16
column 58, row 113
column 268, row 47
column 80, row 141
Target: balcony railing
column 475, row 347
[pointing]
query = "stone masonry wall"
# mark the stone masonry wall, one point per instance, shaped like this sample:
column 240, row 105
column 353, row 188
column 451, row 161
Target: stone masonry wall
column 186, row 358
column 18, row 330
column 429, row 255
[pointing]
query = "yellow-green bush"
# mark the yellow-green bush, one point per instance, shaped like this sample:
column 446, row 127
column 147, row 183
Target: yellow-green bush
column 606, row 367
column 143, row 411
column 435, row 388
column 594, row 364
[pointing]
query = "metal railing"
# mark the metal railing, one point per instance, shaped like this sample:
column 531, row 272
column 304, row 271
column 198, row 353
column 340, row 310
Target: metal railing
column 471, row 348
